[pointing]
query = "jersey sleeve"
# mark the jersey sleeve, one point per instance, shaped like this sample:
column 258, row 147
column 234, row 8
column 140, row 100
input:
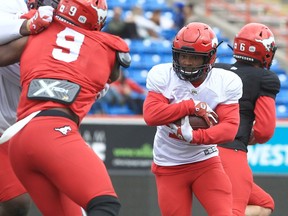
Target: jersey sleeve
column 157, row 80
column 234, row 89
column 265, row 119
column 157, row 110
column 10, row 21
column 270, row 85
column 10, row 29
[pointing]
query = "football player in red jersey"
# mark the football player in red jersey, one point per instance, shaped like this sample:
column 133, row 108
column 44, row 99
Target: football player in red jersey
column 254, row 49
column 186, row 161
column 16, row 21
column 63, row 69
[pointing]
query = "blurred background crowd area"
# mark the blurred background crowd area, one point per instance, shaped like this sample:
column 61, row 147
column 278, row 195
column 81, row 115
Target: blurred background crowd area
column 149, row 27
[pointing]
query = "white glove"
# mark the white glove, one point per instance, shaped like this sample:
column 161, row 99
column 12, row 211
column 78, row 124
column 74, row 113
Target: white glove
column 46, row 13
column 184, row 131
column 103, row 92
column 41, row 19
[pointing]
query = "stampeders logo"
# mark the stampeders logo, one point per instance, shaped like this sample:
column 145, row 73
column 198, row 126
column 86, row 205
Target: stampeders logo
column 102, row 14
column 64, row 130
column 267, row 43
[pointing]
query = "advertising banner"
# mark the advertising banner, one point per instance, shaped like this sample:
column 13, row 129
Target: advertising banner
column 126, row 144
column 271, row 158
column 121, row 145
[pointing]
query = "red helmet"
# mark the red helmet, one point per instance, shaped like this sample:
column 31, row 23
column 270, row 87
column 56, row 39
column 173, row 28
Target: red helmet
column 197, row 39
column 87, row 14
column 34, row 4
column 255, row 43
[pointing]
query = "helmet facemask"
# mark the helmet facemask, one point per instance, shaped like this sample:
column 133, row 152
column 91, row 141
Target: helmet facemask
column 190, row 72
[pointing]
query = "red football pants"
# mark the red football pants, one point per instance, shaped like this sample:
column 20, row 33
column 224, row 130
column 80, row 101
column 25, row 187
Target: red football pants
column 206, row 179
column 244, row 190
column 56, row 166
column 259, row 197
column 10, row 186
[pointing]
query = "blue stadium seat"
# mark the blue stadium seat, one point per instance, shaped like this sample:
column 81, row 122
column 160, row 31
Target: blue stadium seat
column 282, row 97
column 102, row 107
column 283, row 80
column 140, row 46
column 149, row 46
column 119, row 110
column 224, row 50
column 137, row 62
column 166, row 58
column 150, row 5
column 138, row 75
column 163, row 46
column 282, row 111
column 276, row 67
column 124, row 4
column 278, row 70
column 144, row 61
column 147, row 5
column 168, row 34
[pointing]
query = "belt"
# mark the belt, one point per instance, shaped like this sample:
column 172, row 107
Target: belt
column 55, row 112
column 16, row 127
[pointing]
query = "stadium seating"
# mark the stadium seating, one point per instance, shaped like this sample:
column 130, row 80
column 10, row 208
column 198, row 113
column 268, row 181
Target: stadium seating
column 137, row 75
column 282, row 111
column 282, row 96
column 145, row 4
column 149, row 46
column 147, row 53
column 284, row 81
column 224, row 49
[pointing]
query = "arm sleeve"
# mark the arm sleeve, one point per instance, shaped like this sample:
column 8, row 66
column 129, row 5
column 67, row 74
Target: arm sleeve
column 265, row 119
column 223, row 132
column 10, row 29
column 11, row 52
column 270, row 84
column 10, row 22
column 158, row 111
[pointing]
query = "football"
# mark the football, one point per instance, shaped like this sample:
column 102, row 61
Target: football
column 196, row 122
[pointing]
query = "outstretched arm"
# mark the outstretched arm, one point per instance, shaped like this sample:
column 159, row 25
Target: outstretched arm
column 10, row 53
column 32, row 22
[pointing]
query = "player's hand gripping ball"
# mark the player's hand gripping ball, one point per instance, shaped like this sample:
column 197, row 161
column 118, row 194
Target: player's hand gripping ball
column 203, row 118
column 197, row 122
column 183, row 131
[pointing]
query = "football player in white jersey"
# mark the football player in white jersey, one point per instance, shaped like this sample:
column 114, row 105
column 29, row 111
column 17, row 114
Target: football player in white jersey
column 186, row 161
column 14, row 201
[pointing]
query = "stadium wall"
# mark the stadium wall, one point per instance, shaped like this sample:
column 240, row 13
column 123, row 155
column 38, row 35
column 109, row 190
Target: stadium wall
column 125, row 144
